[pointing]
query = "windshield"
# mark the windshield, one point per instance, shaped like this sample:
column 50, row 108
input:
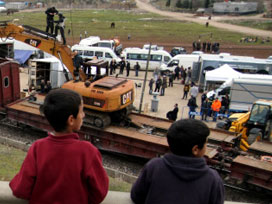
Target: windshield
column 104, row 44
column 173, row 63
column 259, row 113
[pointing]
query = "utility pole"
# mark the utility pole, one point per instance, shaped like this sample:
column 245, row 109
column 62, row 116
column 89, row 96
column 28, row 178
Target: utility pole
column 147, row 65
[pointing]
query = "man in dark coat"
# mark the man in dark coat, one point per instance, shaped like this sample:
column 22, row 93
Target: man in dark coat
column 172, row 115
column 50, row 12
column 151, row 82
column 122, row 66
column 78, row 61
column 158, row 84
column 205, row 106
column 137, row 68
column 128, row 68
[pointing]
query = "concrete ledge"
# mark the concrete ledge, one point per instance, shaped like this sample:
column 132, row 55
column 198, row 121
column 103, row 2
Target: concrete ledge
column 6, row 196
column 112, row 197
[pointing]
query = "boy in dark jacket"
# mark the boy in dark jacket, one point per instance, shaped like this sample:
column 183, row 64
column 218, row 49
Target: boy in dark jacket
column 181, row 176
column 60, row 168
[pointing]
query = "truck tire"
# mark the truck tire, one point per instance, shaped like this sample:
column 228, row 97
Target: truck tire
column 254, row 134
column 221, row 125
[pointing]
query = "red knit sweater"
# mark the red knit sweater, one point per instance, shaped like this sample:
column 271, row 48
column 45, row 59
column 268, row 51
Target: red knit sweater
column 61, row 170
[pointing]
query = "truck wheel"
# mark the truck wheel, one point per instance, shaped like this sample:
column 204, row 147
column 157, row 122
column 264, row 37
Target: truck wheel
column 254, row 134
column 98, row 122
column 221, row 125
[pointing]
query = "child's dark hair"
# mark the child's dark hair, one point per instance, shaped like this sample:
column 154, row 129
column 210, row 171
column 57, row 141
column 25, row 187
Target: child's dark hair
column 58, row 105
column 184, row 134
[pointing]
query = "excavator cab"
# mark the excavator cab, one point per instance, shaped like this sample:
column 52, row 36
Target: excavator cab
column 259, row 123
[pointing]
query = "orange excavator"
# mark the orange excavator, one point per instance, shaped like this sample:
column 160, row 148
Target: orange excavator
column 105, row 97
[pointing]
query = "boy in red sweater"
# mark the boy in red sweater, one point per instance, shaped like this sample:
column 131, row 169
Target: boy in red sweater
column 60, row 168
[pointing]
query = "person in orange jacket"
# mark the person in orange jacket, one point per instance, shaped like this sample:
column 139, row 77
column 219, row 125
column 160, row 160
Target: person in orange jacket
column 216, row 105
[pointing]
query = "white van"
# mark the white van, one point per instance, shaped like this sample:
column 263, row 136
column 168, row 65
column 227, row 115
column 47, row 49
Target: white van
column 157, row 57
column 184, row 60
column 88, row 53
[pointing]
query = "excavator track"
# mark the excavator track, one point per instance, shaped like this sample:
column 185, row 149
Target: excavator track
column 96, row 119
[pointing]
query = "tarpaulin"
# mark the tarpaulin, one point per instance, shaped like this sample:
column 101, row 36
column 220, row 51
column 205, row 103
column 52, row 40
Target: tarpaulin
column 22, row 55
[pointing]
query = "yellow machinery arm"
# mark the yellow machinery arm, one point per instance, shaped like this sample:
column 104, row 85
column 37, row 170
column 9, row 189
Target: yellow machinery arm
column 41, row 40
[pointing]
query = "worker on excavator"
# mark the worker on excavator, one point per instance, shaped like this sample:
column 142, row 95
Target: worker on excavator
column 60, row 26
column 78, row 61
column 50, row 12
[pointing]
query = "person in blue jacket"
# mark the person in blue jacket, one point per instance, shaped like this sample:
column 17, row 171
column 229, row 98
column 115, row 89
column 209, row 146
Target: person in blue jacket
column 181, row 176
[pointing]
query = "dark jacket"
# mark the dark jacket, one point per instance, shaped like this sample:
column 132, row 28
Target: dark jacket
column 77, row 60
column 192, row 102
column 50, row 13
column 172, row 115
column 158, row 82
column 176, row 179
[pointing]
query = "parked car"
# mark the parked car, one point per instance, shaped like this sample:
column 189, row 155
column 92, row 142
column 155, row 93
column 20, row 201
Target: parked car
column 178, row 50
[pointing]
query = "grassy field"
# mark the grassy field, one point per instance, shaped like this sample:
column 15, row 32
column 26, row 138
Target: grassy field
column 144, row 27
column 12, row 158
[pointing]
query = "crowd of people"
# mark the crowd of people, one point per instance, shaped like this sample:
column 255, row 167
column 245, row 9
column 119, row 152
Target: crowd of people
column 206, row 46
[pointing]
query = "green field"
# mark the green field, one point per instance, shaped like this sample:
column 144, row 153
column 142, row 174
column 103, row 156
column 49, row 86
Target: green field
column 258, row 24
column 145, row 27
column 11, row 160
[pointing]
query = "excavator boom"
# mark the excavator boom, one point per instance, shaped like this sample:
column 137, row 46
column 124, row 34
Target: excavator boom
column 39, row 39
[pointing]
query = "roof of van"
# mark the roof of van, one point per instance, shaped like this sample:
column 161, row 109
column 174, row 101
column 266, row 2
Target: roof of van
column 180, row 56
column 86, row 47
column 253, row 81
column 145, row 51
column 234, row 58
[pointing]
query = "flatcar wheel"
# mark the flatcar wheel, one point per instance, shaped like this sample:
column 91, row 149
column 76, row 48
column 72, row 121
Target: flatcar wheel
column 98, row 122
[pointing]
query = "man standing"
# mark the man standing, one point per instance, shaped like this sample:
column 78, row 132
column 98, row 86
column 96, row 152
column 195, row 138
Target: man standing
column 151, row 82
column 164, row 85
column 192, row 107
column 128, row 68
column 171, row 78
column 122, row 66
column 158, row 84
column 185, row 91
column 60, row 26
column 137, row 68
column 50, row 12
column 216, row 105
column 194, row 90
column 78, row 61
column 189, row 75
column 176, row 73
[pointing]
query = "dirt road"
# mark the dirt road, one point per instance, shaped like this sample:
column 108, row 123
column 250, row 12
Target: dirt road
column 145, row 5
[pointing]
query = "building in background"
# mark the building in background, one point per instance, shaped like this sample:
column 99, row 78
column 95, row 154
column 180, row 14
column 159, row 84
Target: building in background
column 228, row 7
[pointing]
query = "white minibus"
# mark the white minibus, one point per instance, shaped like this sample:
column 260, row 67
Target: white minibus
column 88, row 53
column 185, row 60
column 157, row 57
